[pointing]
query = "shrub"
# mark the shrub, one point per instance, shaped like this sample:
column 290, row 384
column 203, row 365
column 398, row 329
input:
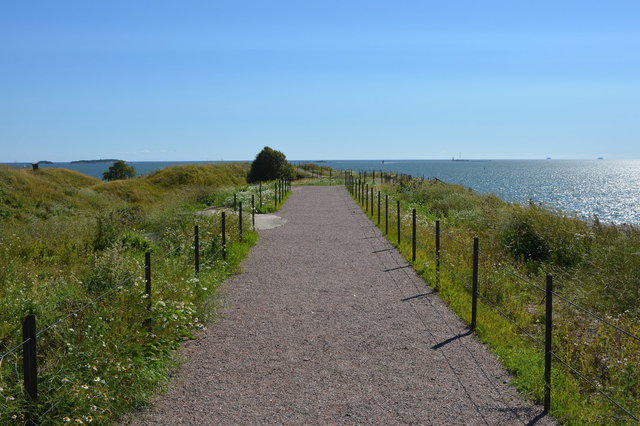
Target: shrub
column 119, row 170
column 522, row 240
column 270, row 165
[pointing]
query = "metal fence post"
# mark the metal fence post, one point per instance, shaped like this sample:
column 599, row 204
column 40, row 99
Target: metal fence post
column 378, row 207
column 413, row 235
column 373, row 210
column 224, row 235
column 240, row 220
column 196, row 248
column 437, row 255
column 386, row 214
column 366, row 198
column 474, row 285
column 398, row 214
column 548, row 328
column 29, row 363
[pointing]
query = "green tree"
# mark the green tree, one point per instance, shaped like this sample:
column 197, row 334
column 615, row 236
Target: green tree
column 119, row 170
column 269, row 165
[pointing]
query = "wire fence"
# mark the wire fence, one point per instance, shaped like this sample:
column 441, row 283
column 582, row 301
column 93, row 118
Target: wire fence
column 221, row 242
column 462, row 268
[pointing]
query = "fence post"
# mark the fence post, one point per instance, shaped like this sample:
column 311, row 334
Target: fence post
column 386, row 214
column 196, row 248
column 235, row 201
column 29, row 362
column 413, row 235
column 224, row 235
column 474, row 285
column 366, row 198
column 548, row 326
column 378, row 207
column 398, row 214
column 260, row 190
column 240, row 220
column 373, row 210
column 275, row 195
column 147, row 278
column 437, row 255
column 253, row 211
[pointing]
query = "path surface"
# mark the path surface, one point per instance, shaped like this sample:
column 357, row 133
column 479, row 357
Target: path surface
column 323, row 326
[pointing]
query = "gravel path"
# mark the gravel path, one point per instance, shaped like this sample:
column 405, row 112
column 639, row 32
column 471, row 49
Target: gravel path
column 328, row 324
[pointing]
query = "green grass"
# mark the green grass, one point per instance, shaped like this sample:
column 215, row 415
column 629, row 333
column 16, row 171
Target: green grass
column 68, row 239
column 593, row 264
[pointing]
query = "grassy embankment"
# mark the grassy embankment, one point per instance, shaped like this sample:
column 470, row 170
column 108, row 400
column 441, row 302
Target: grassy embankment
column 593, row 264
column 67, row 239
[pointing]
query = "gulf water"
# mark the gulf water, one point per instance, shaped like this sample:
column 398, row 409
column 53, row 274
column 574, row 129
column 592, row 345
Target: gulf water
column 609, row 189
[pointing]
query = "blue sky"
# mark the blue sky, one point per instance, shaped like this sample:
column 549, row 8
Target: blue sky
column 212, row 80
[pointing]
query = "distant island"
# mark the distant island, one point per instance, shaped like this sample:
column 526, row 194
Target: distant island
column 105, row 160
column 45, row 162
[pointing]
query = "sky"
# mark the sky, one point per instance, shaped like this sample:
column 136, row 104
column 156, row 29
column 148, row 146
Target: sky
column 218, row 80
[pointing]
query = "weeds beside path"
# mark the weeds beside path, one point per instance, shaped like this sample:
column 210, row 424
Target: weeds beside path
column 328, row 324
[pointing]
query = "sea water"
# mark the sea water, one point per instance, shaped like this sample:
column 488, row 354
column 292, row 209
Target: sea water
column 609, row 189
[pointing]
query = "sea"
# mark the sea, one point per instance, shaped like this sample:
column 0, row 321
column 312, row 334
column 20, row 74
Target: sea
column 608, row 189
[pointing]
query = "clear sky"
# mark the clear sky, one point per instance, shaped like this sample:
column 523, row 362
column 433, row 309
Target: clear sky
column 348, row 79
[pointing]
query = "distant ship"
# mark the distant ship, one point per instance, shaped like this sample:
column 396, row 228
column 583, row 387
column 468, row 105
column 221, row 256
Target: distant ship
column 600, row 158
column 548, row 158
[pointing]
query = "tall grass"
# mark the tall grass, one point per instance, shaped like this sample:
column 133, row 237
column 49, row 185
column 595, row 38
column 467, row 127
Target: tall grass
column 594, row 265
column 67, row 240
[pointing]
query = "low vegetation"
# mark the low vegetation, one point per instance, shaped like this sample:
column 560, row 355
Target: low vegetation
column 594, row 266
column 73, row 249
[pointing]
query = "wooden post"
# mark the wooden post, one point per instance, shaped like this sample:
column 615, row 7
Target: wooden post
column 253, row 211
column 29, row 363
column 437, row 255
column 398, row 211
column 240, row 220
column 548, row 328
column 474, row 285
column 413, row 236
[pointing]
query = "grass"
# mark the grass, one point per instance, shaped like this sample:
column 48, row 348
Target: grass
column 593, row 265
column 69, row 240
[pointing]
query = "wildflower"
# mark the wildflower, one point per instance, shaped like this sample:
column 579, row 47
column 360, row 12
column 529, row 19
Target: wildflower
column 71, row 330
column 14, row 417
column 85, row 387
column 10, row 398
column 66, row 419
column 66, row 379
column 79, row 421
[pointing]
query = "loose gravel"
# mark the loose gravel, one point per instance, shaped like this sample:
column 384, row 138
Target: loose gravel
column 328, row 324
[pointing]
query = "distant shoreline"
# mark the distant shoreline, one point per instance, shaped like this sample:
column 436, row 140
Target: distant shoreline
column 108, row 160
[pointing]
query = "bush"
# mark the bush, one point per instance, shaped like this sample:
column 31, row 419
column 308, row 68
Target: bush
column 119, row 170
column 522, row 240
column 270, row 165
